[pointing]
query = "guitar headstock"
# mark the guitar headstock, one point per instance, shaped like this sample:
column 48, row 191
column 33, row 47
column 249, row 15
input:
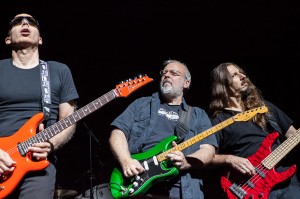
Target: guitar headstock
column 127, row 87
column 247, row 115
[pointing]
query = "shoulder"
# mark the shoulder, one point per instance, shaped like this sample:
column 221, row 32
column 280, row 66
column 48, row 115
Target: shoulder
column 197, row 109
column 276, row 111
column 56, row 64
column 198, row 112
column 5, row 61
column 142, row 100
column 148, row 99
column 5, row 65
column 268, row 103
column 272, row 107
column 223, row 115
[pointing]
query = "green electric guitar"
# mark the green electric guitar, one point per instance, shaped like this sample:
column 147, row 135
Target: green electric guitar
column 156, row 164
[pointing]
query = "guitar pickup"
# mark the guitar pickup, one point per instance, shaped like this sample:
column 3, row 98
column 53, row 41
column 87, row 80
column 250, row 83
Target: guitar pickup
column 155, row 160
column 146, row 167
column 260, row 173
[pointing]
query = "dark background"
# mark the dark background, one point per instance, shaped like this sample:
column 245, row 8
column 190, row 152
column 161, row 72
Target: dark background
column 105, row 42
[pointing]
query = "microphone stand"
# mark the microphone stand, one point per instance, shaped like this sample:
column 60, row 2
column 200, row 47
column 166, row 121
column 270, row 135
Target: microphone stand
column 91, row 135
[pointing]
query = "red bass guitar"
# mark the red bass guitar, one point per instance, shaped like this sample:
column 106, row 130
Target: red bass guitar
column 259, row 185
column 17, row 144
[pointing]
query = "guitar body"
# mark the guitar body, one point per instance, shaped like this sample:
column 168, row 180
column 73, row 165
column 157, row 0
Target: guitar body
column 17, row 145
column 24, row 164
column 155, row 172
column 258, row 186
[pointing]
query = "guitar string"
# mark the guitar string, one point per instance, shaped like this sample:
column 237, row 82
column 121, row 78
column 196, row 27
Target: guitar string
column 56, row 125
column 161, row 156
column 15, row 149
column 277, row 154
column 254, row 179
column 209, row 132
column 113, row 93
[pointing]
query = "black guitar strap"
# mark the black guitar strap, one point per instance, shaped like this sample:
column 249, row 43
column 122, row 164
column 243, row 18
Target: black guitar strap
column 182, row 126
column 45, row 86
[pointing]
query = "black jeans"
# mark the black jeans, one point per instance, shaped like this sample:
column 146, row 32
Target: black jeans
column 37, row 184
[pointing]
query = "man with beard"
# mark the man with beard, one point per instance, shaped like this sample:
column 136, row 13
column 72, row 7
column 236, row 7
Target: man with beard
column 149, row 120
column 233, row 92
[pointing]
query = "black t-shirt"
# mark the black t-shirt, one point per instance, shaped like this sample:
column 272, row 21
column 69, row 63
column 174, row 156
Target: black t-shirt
column 244, row 138
column 168, row 116
column 21, row 95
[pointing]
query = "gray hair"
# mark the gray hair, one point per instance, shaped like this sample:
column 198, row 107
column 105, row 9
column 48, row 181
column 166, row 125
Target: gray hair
column 188, row 75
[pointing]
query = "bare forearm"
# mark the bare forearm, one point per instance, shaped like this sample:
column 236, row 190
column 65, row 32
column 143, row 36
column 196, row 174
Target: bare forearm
column 65, row 109
column 119, row 145
column 220, row 160
column 63, row 137
column 239, row 163
column 201, row 157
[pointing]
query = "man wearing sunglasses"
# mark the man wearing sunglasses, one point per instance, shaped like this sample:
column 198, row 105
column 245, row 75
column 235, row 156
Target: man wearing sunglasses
column 30, row 86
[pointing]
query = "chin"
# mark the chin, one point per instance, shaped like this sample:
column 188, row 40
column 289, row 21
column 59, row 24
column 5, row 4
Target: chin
column 245, row 89
column 166, row 90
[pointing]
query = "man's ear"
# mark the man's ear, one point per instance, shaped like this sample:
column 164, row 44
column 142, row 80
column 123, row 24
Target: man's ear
column 7, row 40
column 187, row 84
column 40, row 41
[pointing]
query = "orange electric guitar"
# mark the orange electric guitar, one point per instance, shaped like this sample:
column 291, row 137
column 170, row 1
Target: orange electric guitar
column 17, row 144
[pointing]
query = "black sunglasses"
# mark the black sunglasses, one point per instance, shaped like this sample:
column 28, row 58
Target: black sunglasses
column 18, row 21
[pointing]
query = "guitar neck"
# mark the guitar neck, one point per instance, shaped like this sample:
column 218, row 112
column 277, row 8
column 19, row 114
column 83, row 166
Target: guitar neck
column 61, row 125
column 282, row 150
column 161, row 157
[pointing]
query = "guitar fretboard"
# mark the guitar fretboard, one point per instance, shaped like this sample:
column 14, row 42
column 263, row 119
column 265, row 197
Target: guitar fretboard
column 163, row 156
column 282, row 150
column 61, row 125
column 244, row 116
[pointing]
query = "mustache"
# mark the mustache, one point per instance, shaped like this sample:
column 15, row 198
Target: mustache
column 245, row 80
column 166, row 81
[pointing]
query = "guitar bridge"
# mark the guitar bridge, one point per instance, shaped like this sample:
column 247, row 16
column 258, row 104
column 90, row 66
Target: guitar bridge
column 238, row 191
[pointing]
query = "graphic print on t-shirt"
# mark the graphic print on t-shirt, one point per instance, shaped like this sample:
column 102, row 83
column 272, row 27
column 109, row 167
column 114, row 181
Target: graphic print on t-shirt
column 164, row 126
column 170, row 115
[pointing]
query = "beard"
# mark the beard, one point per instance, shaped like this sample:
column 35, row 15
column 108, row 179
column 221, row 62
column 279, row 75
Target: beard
column 245, row 93
column 170, row 92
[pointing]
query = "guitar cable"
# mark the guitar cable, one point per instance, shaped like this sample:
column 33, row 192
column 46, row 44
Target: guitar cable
column 120, row 186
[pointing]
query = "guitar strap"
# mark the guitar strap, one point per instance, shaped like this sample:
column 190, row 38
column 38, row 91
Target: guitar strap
column 182, row 126
column 46, row 92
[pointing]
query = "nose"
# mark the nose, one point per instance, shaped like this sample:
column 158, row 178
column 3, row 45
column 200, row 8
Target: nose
column 165, row 76
column 242, row 76
column 25, row 21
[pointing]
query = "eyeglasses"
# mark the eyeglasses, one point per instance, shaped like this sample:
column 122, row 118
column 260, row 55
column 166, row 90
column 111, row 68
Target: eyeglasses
column 18, row 21
column 172, row 72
